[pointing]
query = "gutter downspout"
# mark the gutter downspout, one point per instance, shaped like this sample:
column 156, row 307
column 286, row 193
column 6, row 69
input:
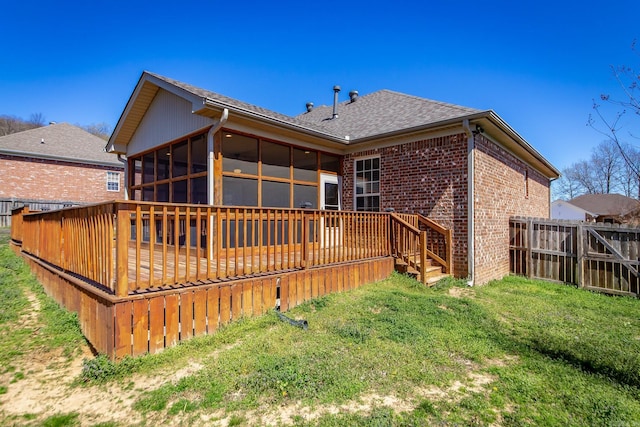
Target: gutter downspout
column 210, row 166
column 126, row 175
column 470, row 202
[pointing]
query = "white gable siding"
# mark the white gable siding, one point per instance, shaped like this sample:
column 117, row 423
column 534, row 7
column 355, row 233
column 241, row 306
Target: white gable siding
column 169, row 117
column 564, row 210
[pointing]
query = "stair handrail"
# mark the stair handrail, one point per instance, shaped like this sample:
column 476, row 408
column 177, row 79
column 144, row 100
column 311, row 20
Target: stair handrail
column 403, row 248
column 447, row 260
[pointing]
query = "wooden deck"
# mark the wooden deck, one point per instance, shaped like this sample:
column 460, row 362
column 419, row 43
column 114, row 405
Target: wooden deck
column 217, row 268
column 133, row 296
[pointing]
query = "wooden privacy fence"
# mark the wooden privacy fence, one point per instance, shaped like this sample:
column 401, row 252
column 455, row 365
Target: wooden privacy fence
column 8, row 205
column 595, row 256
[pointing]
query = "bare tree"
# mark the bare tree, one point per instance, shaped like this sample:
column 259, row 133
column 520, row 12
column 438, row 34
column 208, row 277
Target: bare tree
column 627, row 103
column 12, row 124
column 101, row 130
column 605, row 167
column 37, row 120
column 604, row 172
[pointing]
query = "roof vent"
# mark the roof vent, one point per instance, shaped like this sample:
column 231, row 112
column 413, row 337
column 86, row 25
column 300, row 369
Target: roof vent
column 309, row 107
column 353, row 95
column 336, row 91
column 42, row 141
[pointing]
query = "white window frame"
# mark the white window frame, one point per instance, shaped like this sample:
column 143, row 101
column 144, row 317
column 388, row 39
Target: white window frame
column 113, row 178
column 355, row 182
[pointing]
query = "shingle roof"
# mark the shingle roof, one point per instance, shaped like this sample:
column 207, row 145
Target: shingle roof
column 382, row 112
column 237, row 104
column 374, row 114
column 61, row 141
column 606, row 204
column 371, row 117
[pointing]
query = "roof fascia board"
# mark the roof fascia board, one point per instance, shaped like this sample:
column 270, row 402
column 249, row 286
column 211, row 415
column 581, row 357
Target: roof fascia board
column 17, row 153
column 217, row 105
column 196, row 104
column 419, row 129
column 111, row 146
column 403, row 138
column 196, row 100
column 504, row 126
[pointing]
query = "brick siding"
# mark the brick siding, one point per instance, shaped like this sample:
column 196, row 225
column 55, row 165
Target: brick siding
column 500, row 192
column 429, row 176
column 38, row 179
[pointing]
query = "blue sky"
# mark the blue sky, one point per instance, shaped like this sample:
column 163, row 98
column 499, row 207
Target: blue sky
column 537, row 64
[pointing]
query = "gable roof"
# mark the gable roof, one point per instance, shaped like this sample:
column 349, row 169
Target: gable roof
column 371, row 117
column 606, row 204
column 61, row 141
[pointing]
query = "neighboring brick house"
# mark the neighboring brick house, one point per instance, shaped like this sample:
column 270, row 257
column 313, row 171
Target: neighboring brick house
column 464, row 168
column 57, row 165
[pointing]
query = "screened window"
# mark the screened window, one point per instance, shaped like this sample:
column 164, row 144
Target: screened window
column 275, row 160
column 239, row 154
column 113, row 181
column 239, row 191
column 175, row 173
column 367, row 184
column 256, row 172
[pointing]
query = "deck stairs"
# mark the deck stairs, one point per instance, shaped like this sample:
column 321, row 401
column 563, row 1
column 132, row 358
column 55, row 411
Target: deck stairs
column 432, row 273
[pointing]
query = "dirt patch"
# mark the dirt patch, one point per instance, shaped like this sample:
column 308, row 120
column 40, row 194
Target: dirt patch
column 29, row 319
column 289, row 414
column 48, row 389
column 458, row 292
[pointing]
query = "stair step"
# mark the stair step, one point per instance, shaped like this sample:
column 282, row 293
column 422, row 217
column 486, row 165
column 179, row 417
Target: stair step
column 434, row 279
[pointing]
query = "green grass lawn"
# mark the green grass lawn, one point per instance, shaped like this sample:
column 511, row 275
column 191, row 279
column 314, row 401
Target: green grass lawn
column 394, row 353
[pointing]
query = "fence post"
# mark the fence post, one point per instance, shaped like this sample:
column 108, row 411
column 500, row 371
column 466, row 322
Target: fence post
column 529, row 247
column 122, row 250
column 580, row 256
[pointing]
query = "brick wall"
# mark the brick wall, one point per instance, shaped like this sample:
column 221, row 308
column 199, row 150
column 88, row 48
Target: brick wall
column 430, row 177
column 28, row 178
column 500, row 192
column 426, row 176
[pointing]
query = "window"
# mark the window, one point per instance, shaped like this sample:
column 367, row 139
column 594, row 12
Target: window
column 257, row 172
column 367, row 184
column 175, row 172
column 113, row 181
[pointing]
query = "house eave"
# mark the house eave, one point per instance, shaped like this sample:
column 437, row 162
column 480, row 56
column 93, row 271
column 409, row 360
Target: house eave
column 218, row 107
column 512, row 140
column 145, row 91
column 17, row 153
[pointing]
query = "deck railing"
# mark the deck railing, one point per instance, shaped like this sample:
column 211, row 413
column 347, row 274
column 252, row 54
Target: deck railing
column 132, row 247
column 438, row 240
column 408, row 244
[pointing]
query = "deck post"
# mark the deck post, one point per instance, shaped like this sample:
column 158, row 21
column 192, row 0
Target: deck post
column 305, row 240
column 423, row 256
column 449, row 251
column 122, row 249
